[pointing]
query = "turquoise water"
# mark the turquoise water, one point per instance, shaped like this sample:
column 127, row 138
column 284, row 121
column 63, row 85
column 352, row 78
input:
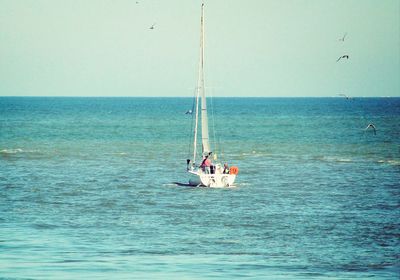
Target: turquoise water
column 87, row 190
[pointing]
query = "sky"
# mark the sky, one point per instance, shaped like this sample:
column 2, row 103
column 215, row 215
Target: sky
column 254, row 48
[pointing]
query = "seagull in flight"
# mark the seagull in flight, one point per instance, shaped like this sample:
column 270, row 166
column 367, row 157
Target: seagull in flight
column 343, row 56
column 371, row 125
column 152, row 27
column 344, row 36
column 188, row 112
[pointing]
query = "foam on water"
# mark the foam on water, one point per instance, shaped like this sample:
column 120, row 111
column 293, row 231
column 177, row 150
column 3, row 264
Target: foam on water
column 12, row 151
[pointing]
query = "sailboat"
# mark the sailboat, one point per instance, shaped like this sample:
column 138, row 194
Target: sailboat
column 206, row 174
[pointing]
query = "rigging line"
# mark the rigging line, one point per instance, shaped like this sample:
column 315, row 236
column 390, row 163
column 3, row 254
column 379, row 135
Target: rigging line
column 216, row 148
column 191, row 132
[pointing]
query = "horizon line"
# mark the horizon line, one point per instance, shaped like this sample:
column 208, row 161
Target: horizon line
column 124, row 96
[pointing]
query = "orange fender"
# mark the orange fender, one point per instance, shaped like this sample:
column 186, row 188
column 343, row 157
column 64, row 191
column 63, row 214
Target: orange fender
column 234, row 170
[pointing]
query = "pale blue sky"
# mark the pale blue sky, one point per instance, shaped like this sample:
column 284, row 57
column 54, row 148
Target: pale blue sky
column 261, row 48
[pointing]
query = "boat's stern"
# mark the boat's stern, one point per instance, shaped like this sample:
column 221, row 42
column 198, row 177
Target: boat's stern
column 217, row 180
column 211, row 180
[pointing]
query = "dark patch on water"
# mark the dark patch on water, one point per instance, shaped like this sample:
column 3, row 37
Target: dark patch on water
column 43, row 226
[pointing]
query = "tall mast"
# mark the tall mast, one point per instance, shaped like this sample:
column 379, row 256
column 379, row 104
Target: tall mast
column 204, row 119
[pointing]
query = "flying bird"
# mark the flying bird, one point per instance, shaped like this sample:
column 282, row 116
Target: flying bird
column 372, row 126
column 188, row 112
column 344, row 36
column 343, row 56
column 152, row 27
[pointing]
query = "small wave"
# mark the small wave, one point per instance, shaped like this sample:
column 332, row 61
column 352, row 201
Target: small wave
column 394, row 162
column 227, row 241
column 390, row 161
column 71, row 261
column 334, row 159
column 44, row 226
column 117, row 154
column 254, row 154
column 241, row 184
column 11, row 151
column 16, row 151
column 344, row 160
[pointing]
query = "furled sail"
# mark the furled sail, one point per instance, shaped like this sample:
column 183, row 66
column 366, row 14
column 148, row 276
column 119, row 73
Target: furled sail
column 204, row 119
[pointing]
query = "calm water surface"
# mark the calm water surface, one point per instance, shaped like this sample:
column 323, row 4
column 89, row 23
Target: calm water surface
column 86, row 190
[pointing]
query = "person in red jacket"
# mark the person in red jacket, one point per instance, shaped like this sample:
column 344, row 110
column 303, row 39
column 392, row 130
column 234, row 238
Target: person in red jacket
column 206, row 164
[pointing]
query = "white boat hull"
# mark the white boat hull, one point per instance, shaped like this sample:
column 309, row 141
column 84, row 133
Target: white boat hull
column 211, row 180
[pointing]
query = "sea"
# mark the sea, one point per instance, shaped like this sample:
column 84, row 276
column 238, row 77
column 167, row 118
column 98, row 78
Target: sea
column 88, row 189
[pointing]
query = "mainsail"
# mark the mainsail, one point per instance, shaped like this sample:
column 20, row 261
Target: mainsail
column 201, row 94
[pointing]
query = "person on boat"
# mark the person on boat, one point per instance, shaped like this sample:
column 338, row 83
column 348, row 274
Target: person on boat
column 226, row 169
column 206, row 164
